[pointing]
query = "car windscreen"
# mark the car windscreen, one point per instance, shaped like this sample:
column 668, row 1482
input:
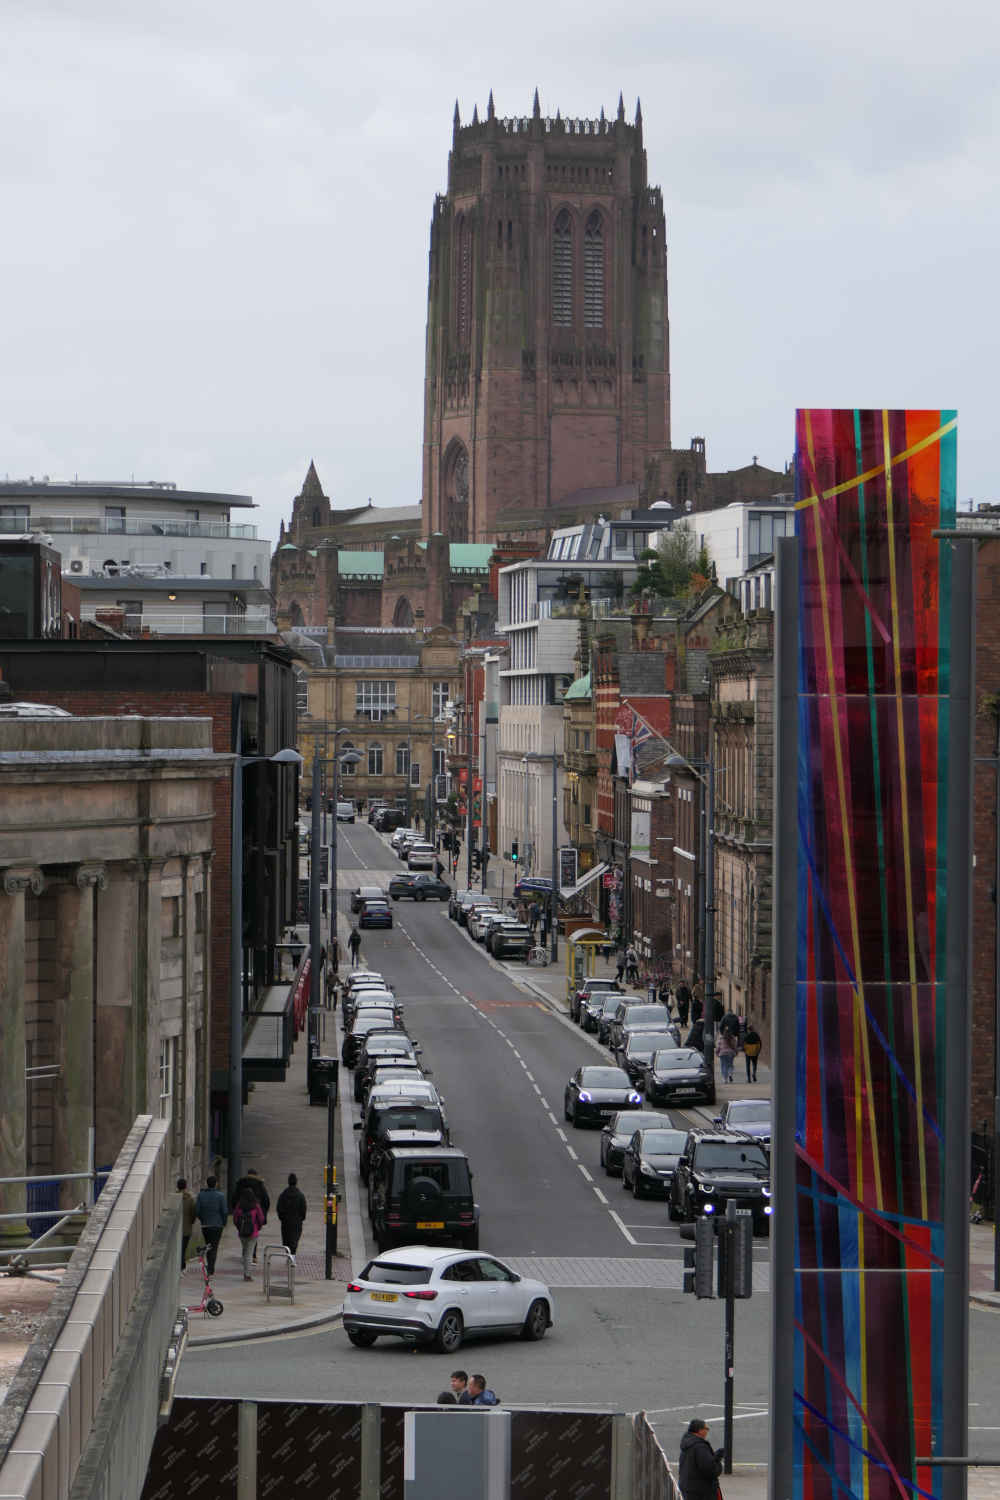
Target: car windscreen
column 684, row 1058
column 390, row 1274
column 757, row 1111
column 644, row 1041
column 607, row 1004
column 643, row 1015
column 450, row 1175
column 373, row 999
column 717, row 1156
column 604, row 1078
column 391, row 1043
column 379, row 1020
column 663, row 1142
column 631, row 1120
column 593, row 985
column 405, row 1117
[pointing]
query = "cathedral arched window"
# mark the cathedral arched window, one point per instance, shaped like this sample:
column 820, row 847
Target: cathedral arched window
column 463, row 279
column 562, row 270
column 402, row 615
column 317, row 518
column 593, row 272
column 455, row 486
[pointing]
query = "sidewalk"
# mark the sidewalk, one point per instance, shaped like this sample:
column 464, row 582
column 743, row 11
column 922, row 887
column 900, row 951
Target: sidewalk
column 282, row 1133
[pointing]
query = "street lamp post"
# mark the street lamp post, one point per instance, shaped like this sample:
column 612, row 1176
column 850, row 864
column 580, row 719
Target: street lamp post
column 235, row 1119
column 554, row 898
column 704, row 769
column 348, row 758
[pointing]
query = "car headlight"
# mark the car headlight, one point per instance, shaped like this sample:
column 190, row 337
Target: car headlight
column 646, row 1169
column 766, row 1191
column 705, row 1187
column 584, row 1097
column 768, row 1209
column 634, row 1098
column 709, row 1208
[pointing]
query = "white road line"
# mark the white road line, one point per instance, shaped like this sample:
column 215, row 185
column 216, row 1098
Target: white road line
column 600, row 1195
column 560, row 1133
column 537, row 1089
column 621, row 1226
column 572, row 1153
column 531, row 1076
column 553, row 1118
column 583, row 1169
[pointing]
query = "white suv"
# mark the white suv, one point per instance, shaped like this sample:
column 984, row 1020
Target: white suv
column 436, row 1297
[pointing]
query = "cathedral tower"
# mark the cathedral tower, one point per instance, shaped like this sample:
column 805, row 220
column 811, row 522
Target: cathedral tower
column 547, row 361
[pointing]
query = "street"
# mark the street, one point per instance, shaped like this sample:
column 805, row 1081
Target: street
column 625, row 1336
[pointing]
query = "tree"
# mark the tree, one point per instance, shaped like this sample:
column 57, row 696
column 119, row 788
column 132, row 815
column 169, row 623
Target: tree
column 678, row 566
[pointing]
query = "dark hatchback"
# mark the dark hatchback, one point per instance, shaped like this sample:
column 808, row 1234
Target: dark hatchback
column 620, row 1129
column 748, row 1116
column 419, row 887
column 365, row 1023
column 375, row 914
column 377, row 1048
column 636, row 1051
column 678, row 1075
column 388, row 819
column 595, row 1092
column 420, row 1197
column 596, row 1006
column 650, row 1161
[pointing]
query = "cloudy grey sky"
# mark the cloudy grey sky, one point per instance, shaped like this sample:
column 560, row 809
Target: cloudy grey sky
column 214, row 245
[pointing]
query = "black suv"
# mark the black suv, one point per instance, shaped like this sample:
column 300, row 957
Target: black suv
column 717, row 1166
column 421, row 1197
column 422, row 887
column 388, row 819
column 509, row 940
column 399, row 1122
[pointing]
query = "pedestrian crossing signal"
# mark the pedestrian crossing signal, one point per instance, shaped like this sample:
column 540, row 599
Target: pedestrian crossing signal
column 514, row 850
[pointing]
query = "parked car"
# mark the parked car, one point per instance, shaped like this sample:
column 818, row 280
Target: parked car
column 345, row 812
column 375, row 914
column 479, row 919
column 678, row 1075
column 584, row 990
column 375, row 806
column 619, row 1130
column 380, row 1045
column 509, row 940
column 437, row 1297
column 748, row 1116
column 594, row 1008
column 427, row 1193
column 366, row 999
column 650, row 1160
column 468, row 905
column 715, row 1168
column 399, row 1121
column 635, row 1052
column 388, row 819
column 420, row 855
column 456, row 899
column 374, row 1020
column 635, row 1014
column 595, row 1092
column 392, row 1070
column 419, row 887
column 363, row 893
column 401, row 833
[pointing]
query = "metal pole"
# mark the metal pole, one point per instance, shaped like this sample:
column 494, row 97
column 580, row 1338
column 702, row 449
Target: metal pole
column 315, row 878
column 554, row 897
column 235, row 1120
column 432, row 810
column 468, row 788
column 335, row 781
column 781, row 1468
column 729, row 1230
column 409, row 762
column 956, row 1041
column 995, row 1163
column 483, row 840
column 708, row 1031
column 331, row 1180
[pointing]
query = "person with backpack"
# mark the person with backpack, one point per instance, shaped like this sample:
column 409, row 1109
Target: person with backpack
column 354, row 943
column 248, row 1216
column 291, row 1213
column 751, row 1051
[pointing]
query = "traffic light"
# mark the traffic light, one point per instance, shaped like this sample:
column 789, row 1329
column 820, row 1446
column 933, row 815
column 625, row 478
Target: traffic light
column 698, row 1262
column 513, row 850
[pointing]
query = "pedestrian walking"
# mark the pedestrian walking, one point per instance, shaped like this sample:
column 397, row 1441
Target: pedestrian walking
column 619, row 968
column 725, row 1050
column 700, row 1467
column 696, row 1036
column 730, row 1022
column 438, row 868
column 354, row 943
column 481, row 1393
column 210, row 1210
column 459, row 1383
column 291, row 1210
column 187, row 1217
column 248, row 1216
column 683, row 998
column 533, row 916
column 631, row 965
column 334, row 957
column 255, row 1183
column 664, row 995
column 751, row 1051
column 698, row 1000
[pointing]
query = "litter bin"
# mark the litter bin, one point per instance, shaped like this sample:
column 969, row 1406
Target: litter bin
column 323, row 1080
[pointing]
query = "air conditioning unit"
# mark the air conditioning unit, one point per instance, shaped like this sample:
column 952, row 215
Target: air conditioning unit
column 77, row 565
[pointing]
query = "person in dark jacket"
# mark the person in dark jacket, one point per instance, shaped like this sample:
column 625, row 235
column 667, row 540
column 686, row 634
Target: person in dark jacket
column 683, row 998
column 481, row 1393
column 256, row 1185
column 291, row 1209
column 700, row 1467
column 696, row 1036
column 210, row 1211
column 187, row 1219
column 459, row 1383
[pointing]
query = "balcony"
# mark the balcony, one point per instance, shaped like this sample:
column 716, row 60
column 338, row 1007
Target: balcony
column 164, row 622
column 174, row 526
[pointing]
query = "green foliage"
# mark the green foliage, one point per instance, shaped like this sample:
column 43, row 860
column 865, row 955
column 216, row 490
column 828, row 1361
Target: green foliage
column 677, row 567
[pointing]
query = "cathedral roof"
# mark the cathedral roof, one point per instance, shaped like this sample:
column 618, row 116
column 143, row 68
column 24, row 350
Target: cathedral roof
column 371, row 564
column 385, row 514
column 311, row 487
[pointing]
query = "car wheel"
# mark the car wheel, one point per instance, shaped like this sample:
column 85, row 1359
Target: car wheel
column 537, row 1321
column 624, row 1182
column 636, row 1188
column 566, row 1113
column 672, row 1213
column 361, row 1338
column 420, row 895
column 573, row 1119
column 450, row 1332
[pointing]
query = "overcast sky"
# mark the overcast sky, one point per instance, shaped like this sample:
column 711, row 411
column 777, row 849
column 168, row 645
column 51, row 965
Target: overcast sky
column 216, row 216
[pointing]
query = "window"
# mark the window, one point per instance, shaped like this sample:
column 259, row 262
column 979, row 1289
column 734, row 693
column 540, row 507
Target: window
column 562, row 270
column 301, row 691
column 168, row 1062
column 15, row 518
column 375, row 760
column 415, row 773
column 170, row 917
column 114, row 518
column 440, row 699
column 586, row 739
column 593, row 272
column 586, row 814
column 373, row 700
column 346, row 769
column 402, row 759
column 132, row 609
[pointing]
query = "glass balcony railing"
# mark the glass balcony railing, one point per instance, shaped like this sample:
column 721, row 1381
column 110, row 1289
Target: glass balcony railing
column 163, row 622
column 127, row 526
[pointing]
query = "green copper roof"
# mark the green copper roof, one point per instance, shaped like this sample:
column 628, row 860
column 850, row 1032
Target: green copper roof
column 470, row 554
column 371, row 563
column 578, row 689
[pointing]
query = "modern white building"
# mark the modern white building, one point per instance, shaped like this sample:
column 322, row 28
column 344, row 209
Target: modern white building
column 159, row 559
column 739, row 535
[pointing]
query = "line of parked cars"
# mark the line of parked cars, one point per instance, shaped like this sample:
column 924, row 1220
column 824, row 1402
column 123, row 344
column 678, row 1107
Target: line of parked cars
column 429, row 1283
column 499, row 932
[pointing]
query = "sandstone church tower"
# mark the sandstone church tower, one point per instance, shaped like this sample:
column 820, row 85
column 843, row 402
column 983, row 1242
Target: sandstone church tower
column 547, row 361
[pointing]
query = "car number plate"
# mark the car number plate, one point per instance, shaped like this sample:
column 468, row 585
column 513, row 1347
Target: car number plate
column 686, row 1091
column 385, row 1297
column 430, row 1223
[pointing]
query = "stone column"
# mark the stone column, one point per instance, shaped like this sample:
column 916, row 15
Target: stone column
column 13, row 1092
column 73, row 1017
column 116, row 964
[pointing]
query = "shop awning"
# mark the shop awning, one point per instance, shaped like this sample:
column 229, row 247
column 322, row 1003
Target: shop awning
column 567, row 891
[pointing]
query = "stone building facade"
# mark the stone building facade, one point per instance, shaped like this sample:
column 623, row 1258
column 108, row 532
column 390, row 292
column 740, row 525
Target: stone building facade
column 106, row 841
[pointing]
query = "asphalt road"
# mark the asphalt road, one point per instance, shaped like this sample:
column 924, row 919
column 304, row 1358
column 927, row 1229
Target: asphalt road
column 625, row 1336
